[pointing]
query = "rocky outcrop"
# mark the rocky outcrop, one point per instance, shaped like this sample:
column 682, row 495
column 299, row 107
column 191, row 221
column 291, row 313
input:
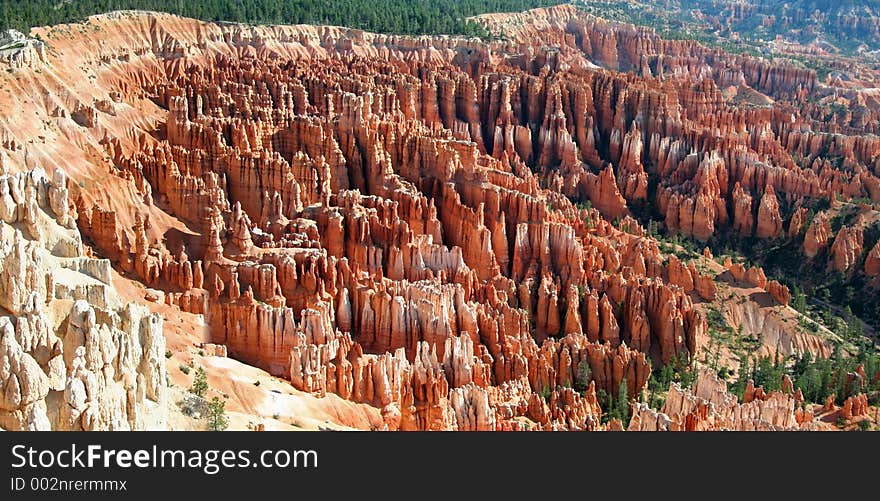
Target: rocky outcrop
column 708, row 406
column 633, row 178
column 455, row 393
column 818, row 235
column 872, row 261
column 754, row 277
column 769, row 222
column 705, row 287
column 855, row 406
column 743, row 221
column 72, row 356
column 20, row 51
column 797, row 222
column 779, row 292
column 679, row 274
column 689, row 279
column 24, row 387
column 846, row 249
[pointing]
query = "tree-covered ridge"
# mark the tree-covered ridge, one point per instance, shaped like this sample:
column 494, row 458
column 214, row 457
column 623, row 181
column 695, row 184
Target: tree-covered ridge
column 381, row 16
column 747, row 25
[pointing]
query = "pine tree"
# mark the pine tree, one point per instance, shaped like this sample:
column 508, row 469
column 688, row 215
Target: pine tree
column 622, row 403
column 217, row 420
column 200, row 383
column 583, row 377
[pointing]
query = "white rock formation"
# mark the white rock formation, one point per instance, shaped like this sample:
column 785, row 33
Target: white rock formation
column 104, row 366
column 19, row 51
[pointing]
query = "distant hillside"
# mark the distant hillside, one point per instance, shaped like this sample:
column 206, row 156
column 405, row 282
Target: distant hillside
column 382, row 16
column 848, row 25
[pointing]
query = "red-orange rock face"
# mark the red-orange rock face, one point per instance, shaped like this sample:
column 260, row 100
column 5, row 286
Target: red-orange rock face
column 872, row 262
column 370, row 226
column 846, row 249
column 796, row 224
column 818, row 235
column 779, row 292
column 708, row 406
column 403, row 222
column 769, row 223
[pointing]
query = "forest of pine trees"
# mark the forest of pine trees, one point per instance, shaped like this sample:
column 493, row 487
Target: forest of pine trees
column 818, row 378
column 381, row 16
